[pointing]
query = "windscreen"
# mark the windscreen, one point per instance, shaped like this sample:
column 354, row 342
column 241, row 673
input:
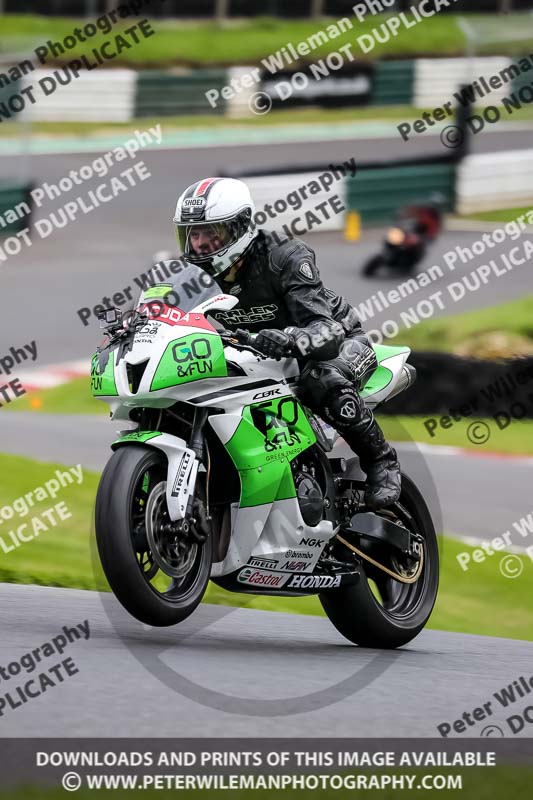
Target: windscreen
column 185, row 290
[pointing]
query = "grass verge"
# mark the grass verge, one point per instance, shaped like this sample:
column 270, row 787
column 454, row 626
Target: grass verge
column 479, row 600
column 196, row 43
column 201, row 123
column 449, row 333
column 501, row 215
column 477, row 783
column 514, row 440
column 302, row 116
column 75, row 398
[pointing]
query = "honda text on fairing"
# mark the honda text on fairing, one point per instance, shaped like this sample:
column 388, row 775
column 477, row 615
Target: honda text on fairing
column 228, row 477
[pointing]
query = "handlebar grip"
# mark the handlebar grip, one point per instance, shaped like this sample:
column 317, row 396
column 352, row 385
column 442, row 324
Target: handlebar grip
column 244, row 337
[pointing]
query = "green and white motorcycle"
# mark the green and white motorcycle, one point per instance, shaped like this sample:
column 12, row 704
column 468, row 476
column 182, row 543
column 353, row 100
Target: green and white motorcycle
column 228, row 477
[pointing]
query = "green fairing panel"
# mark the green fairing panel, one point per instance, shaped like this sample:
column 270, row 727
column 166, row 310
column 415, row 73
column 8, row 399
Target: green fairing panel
column 381, row 378
column 190, row 358
column 103, row 385
column 270, row 435
column 158, row 291
column 136, row 436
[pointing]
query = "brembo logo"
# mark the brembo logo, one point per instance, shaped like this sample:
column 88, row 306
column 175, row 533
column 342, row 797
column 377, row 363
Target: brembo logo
column 299, row 554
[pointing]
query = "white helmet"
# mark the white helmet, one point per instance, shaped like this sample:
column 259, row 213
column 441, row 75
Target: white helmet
column 215, row 223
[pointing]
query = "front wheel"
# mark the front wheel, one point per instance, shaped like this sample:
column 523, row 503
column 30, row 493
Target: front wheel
column 379, row 611
column 157, row 574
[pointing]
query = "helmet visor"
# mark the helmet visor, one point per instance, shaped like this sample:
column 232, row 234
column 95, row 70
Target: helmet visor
column 201, row 242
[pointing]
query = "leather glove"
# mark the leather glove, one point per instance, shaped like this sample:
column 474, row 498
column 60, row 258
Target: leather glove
column 274, row 344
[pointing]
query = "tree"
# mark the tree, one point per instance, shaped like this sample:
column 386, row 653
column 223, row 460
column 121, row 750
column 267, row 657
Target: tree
column 317, row 8
column 222, row 9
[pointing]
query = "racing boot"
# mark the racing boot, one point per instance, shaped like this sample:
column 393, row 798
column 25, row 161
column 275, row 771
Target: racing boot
column 378, row 459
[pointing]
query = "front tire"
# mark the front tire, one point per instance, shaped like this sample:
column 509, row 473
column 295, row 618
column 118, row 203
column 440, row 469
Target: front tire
column 131, row 477
column 397, row 612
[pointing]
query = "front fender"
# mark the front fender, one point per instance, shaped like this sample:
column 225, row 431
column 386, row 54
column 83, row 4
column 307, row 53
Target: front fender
column 182, row 466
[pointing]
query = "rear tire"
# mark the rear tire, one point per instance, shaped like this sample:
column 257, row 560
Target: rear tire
column 126, row 559
column 355, row 610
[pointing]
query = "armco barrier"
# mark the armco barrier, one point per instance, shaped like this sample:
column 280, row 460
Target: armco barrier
column 99, row 96
column 12, row 88
column 123, row 94
column 436, row 79
column 12, row 196
column 393, row 83
column 377, row 191
column 165, row 94
column 272, row 189
column 495, row 180
column 446, row 381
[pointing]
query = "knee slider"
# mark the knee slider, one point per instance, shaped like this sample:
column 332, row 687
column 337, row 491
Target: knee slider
column 343, row 408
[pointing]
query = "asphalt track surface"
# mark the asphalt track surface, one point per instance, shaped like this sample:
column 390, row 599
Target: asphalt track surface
column 496, row 493
column 301, row 675
column 46, row 284
column 241, row 672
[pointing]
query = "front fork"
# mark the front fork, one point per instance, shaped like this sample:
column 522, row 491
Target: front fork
column 198, row 446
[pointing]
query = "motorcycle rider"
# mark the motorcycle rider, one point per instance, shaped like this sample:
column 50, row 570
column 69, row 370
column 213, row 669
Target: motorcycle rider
column 282, row 298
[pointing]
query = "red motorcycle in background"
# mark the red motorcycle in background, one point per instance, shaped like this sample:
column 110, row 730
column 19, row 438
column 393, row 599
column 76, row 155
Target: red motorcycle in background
column 406, row 243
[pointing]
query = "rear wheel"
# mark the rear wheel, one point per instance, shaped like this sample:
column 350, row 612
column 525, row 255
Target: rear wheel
column 380, row 611
column 157, row 572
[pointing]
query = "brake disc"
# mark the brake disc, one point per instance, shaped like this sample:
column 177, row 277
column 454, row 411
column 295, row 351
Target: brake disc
column 173, row 554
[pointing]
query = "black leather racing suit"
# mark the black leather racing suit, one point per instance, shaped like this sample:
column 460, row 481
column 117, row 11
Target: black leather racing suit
column 279, row 287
